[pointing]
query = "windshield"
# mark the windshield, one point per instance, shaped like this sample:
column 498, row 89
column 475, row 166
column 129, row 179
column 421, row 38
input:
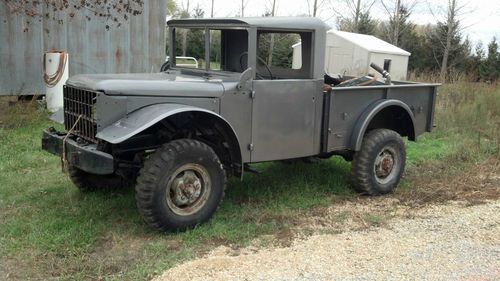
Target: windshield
column 227, row 49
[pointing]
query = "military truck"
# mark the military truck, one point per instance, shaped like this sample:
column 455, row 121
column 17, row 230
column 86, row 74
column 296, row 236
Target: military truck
column 178, row 135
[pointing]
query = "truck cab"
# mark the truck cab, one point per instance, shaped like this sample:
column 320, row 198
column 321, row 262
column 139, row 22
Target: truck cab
column 275, row 91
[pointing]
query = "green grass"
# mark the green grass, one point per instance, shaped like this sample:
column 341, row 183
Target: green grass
column 48, row 229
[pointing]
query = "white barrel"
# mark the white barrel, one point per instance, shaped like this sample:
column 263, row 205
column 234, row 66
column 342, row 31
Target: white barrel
column 55, row 74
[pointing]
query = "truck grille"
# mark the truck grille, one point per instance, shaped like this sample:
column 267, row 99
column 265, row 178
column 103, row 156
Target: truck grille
column 80, row 102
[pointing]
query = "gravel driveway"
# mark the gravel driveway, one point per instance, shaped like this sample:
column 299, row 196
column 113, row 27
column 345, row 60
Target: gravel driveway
column 446, row 242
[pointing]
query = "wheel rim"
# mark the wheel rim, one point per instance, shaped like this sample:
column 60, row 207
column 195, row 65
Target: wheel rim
column 386, row 165
column 188, row 189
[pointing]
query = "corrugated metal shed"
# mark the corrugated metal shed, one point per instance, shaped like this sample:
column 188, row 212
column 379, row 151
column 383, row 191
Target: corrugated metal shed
column 138, row 45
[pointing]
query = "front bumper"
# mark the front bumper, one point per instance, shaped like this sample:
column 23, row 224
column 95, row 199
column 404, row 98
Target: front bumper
column 85, row 157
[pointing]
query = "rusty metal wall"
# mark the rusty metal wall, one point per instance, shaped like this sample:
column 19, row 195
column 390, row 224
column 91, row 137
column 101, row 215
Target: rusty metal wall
column 138, row 45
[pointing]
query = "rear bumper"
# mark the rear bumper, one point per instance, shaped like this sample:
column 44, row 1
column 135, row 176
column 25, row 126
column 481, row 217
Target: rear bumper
column 85, row 157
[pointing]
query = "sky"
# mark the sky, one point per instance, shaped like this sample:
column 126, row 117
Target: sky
column 480, row 19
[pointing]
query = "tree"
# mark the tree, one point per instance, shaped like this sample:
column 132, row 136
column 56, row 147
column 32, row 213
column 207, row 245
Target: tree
column 198, row 12
column 315, row 6
column 243, row 5
column 364, row 25
column 271, row 43
column 399, row 13
column 451, row 27
column 417, row 41
column 448, row 50
column 184, row 14
column 490, row 68
column 473, row 63
column 172, row 8
column 282, row 51
column 354, row 14
column 190, row 42
column 113, row 12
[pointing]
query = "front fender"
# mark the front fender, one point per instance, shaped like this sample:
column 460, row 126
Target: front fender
column 367, row 116
column 143, row 118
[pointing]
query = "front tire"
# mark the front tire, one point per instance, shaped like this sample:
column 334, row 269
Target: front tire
column 377, row 168
column 180, row 185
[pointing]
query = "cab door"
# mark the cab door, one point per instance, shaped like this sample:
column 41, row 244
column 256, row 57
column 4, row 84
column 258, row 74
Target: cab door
column 286, row 96
column 283, row 118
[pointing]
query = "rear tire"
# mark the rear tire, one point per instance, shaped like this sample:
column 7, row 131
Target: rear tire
column 180, row 185
column 377, row 168
column 87, row 182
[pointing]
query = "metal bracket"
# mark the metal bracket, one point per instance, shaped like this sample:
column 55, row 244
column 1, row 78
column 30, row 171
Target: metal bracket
column 250, row 146
column 252, row 94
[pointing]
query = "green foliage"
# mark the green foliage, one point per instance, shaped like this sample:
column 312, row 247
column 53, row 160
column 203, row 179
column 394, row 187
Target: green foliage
column 282, row 52
column 458, row 51
column 426, row 44
column 365, row 24
column 172, row 8
column 398, row 26
column 194, row 45
column 215, row 46
column 489, row 69
column 473, row 63
column 417, row 42
column 189, row 42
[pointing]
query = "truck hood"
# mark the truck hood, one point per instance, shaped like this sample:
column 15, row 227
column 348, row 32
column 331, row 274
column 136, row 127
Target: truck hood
column 149, row 84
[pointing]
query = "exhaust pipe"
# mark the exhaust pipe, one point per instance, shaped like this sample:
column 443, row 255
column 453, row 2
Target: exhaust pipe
column 384, row 73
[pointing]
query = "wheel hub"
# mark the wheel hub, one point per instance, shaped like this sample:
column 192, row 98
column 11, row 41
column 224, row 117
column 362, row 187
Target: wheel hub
column 384, row 164
column 188, row 189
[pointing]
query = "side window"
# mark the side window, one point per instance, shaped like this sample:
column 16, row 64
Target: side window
column 190, row 48
column 276, row 49
column 228, row 49
column 284, row 55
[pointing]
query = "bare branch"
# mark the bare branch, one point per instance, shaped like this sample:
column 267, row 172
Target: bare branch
column 112, row 11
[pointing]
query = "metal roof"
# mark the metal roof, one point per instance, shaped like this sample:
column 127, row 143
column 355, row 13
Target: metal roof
column 370, row 43
column 300, row 23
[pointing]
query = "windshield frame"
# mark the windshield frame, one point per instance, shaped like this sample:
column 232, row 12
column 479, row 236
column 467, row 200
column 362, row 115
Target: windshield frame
column 208, row 49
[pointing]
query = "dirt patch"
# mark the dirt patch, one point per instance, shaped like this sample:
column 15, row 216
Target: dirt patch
column 112, row 255
column 443, row 242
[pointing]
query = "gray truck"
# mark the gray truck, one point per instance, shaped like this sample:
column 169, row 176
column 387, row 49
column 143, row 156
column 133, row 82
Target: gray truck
column 179, row 134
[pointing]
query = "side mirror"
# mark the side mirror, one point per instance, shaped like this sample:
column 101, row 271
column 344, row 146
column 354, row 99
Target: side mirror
column 244, row 78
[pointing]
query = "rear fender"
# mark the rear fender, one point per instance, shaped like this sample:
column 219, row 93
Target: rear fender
column 368, row 115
